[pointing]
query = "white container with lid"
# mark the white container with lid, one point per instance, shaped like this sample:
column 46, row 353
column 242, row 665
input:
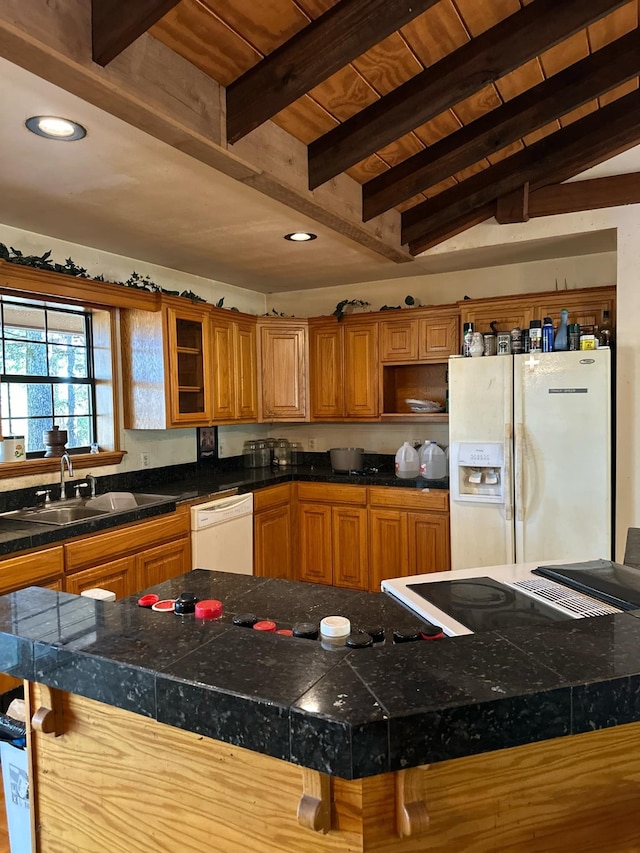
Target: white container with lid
column 407, row 462
column 433, row 461
column 334, row 631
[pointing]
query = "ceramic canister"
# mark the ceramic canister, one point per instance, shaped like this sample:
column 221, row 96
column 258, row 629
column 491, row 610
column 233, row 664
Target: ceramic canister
column 13, row 449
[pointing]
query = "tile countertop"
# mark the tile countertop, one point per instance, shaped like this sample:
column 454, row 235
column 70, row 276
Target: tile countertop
column 18, row 535
column 349, row 713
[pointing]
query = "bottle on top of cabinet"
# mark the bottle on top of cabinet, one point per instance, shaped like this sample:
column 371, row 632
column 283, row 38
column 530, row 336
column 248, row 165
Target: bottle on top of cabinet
column 547, row 335
column 604, row 335
column 561, row 342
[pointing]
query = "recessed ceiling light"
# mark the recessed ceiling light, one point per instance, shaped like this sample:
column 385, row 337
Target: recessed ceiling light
column 53, row 127
column 300, row 236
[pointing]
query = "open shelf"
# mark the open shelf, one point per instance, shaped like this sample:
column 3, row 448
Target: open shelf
column 412, row 417
column 416, row 382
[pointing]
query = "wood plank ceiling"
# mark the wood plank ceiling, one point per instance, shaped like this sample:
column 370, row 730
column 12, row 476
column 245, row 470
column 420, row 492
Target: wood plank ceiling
column 448, row 111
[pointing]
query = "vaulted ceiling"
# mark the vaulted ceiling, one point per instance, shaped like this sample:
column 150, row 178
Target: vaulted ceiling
column 397, row 124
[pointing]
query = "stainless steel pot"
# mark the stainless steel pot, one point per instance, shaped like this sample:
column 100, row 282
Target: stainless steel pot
column 345, row 459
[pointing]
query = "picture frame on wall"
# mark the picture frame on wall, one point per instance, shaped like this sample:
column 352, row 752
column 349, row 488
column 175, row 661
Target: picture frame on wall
column 207, row 443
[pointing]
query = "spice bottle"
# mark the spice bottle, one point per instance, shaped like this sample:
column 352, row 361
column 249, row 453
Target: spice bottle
column 535, row 336
column 547, row 335
column 574, row 336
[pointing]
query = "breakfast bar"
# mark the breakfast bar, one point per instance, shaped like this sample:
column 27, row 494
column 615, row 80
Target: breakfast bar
column 156, row 731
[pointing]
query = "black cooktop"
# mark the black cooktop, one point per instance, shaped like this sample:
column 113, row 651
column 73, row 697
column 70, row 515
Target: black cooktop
column 483, row 604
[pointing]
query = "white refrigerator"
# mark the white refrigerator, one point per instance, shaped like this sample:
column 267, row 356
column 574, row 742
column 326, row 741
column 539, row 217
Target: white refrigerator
column 530, row 458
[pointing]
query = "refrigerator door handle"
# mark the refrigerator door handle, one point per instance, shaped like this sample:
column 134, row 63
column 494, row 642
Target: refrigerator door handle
column 519, row 472
column 508, row 468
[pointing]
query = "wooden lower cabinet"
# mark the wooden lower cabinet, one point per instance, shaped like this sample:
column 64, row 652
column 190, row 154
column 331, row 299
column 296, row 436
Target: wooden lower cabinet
column 37, row 568
column 274, row 543
column 408, row 533
column 132, row 557
column 116, row 576
column 333, row 535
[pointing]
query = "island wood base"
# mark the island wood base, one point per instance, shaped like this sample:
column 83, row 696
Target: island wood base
column 118, row 782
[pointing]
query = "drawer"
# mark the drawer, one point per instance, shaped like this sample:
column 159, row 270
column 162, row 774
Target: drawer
column 92, row 550
column 436, row 500
column 29, row 569
column 271, row 496
column 332, row 494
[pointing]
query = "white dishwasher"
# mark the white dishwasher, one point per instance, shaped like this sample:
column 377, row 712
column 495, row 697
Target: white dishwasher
column 222, row 535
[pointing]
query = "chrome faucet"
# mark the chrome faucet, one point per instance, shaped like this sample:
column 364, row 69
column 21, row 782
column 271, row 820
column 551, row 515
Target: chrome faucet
column 92, row 483
column 63, row 490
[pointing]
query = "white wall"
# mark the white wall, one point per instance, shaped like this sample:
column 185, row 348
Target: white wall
column 439, row 289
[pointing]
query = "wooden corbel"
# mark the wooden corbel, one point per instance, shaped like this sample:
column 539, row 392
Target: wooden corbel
column 314, row 808
column 412, row 817
column 48, row 717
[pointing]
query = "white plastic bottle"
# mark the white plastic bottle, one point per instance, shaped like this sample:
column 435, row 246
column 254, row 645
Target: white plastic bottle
column 407, row 462
column 433, row 462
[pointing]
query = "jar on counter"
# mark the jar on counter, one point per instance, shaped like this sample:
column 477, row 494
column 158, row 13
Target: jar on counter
column 282, row 452
column 250, row 455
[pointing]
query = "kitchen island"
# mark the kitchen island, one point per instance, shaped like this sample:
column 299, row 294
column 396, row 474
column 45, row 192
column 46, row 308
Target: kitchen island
column 158, row 732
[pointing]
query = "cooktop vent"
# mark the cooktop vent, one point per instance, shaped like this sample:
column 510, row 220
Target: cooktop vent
column 555, row 593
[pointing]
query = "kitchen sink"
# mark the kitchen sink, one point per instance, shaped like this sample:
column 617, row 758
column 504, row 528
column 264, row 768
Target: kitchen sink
column 85, row 509
column 119, row 501
column 57, row 515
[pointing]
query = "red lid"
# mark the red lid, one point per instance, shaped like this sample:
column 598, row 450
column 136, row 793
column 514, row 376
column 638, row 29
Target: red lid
column 287, row 632
column 167, row 605
column 265, row 625
column 209, row 608
column 148, row 600
column 438, row 636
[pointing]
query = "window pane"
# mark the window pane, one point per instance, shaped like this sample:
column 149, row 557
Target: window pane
column 28, row 400
column 66, row 328
column 23, row 322
column 71, row 400
column 25, row 359
column 67, row 361
column 79, row 430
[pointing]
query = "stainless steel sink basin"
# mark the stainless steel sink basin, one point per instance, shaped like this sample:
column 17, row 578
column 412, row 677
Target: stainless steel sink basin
column 58, row 515
column 119, row 501
column 84, row 509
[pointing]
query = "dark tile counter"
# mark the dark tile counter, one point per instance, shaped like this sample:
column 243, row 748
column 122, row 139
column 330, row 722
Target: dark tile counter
column 350, row 713
column 198, row 484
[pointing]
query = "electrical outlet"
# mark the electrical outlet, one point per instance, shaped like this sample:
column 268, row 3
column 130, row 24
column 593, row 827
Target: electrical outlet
column 145, row 460
column 313, row 444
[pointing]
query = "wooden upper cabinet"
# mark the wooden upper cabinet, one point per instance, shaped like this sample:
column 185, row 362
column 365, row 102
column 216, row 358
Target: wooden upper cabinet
column 283, row 370
column 438, row 336
column 343, row 370
column 361, row 370
column 166, row 366
column 585, row 305
column 234, row 369
column 326, row 370
column 430, row 334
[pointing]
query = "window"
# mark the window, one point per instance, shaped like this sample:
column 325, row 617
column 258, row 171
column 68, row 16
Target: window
column 46, row 373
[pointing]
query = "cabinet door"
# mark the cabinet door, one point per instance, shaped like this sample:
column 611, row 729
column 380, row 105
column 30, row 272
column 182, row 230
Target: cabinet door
column 506, row 313
column 439, row 337
column 223, row 371
column 398, row 340
column 246, row 372
column 428, row 543
column 273, row 543
column 158, row 564
column 388, row 546
column 315, row 543
column 326, row 371
column 117, row 576
column 585, row 309
column 189, row 347
column 350, row 547
column 40, row 568
column 283, row 366
column 361, row 370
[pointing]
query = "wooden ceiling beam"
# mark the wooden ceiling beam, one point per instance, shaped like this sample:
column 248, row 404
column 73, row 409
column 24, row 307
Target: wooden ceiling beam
column 487, row 57
column 342, row 33
column 614, row 64
column 612, row 191
column 514, row 206
column 583, row 144
column 115, row 24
